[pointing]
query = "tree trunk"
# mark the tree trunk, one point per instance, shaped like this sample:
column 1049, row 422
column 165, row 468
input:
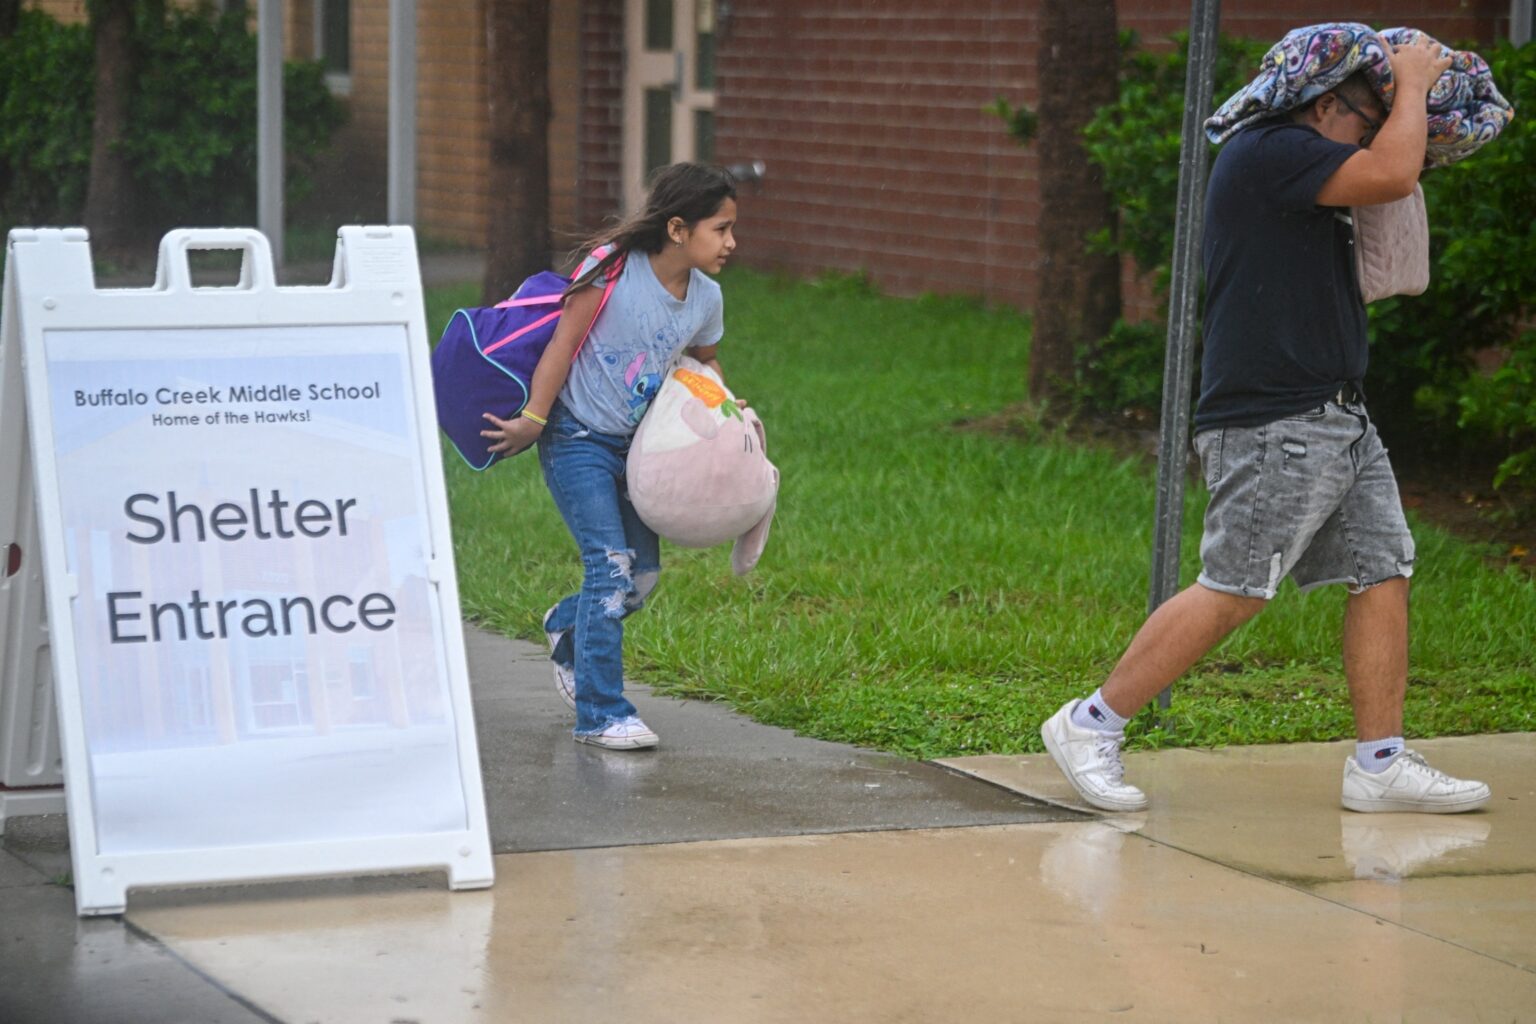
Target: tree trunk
column 517, row 80
column 109, row 206
column 1079, row 291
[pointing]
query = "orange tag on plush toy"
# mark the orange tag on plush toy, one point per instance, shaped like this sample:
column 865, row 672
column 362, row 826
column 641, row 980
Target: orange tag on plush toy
column 707, row 391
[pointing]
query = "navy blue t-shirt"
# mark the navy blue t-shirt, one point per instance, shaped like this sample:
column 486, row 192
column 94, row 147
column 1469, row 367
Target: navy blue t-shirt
column 1284, row 321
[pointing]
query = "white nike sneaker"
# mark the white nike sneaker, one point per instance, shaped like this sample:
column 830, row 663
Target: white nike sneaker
column 1090, row 759
column 624, row 734
column 565, row 675
column 1410, row 784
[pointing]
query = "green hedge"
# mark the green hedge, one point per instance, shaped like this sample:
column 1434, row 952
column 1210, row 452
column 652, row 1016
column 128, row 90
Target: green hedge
column 45, row 144
column 192, row 119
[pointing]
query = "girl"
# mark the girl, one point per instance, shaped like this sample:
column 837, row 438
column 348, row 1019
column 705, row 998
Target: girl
column 584, row 413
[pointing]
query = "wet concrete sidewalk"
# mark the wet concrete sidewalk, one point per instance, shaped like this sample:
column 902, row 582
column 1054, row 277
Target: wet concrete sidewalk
column 741, row 874
column 718, row 776
column 1245, row 893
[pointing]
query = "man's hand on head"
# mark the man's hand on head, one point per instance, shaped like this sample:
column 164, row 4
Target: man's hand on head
column 1416, row 66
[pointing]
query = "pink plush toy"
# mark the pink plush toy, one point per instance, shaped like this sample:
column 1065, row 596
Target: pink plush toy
column 698, row 467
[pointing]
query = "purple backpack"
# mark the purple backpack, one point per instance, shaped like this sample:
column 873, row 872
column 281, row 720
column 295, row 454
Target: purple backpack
column 485, row 360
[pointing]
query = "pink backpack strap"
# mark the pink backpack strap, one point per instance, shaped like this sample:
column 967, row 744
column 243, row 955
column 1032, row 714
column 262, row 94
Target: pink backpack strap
column 613, row 278
column 536, row 300
column 540, row 322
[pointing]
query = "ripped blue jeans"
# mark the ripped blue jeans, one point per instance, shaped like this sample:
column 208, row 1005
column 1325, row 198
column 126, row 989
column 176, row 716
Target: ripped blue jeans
column 620, row 558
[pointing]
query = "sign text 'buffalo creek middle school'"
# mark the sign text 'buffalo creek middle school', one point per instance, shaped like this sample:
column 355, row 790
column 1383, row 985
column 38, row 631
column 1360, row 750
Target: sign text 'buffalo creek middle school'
column 236, row 394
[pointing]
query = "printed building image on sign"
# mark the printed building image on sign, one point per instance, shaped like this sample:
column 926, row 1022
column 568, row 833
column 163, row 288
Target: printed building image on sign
column 258, row 642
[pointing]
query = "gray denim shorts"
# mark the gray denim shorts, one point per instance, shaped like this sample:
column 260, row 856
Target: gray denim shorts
column 1311, row 496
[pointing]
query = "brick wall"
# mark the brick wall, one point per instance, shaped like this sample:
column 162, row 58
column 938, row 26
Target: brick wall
column 452, row 147
column 1450, row 20
column 600, row 135
column 880, row 157
column 565, row 97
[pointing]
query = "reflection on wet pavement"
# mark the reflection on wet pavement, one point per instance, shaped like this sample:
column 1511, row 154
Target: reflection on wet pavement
column 1085, row 865
column 1390, row 847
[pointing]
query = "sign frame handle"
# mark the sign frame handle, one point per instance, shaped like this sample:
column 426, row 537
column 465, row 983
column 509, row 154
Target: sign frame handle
column 173, row 272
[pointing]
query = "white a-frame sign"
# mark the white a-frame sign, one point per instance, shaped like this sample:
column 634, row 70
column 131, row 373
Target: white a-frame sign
column 253, row 611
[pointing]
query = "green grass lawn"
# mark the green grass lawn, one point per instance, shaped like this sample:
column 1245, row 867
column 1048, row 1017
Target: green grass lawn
column 934, row 590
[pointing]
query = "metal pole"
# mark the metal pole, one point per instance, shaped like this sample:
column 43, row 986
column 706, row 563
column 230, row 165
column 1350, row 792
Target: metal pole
column 1178, row 363
column 402, row 111
column 269, row 124
column 1520, row 21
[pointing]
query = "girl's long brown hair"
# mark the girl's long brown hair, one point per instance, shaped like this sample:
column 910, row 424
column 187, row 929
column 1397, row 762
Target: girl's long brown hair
column 690, row 191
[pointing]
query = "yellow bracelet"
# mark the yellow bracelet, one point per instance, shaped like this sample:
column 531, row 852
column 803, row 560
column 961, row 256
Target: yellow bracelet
column 540, row 420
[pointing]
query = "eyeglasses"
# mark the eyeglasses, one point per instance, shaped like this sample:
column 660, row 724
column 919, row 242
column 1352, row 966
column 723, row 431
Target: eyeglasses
column 1370, row 122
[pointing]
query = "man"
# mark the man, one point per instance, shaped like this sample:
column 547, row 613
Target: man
column 1300, row 484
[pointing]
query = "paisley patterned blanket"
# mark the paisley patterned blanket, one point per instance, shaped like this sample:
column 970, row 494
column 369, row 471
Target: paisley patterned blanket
column 1465, row 108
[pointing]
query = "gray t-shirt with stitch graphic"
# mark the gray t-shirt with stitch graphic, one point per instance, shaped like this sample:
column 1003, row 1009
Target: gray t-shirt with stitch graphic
column 641, row 330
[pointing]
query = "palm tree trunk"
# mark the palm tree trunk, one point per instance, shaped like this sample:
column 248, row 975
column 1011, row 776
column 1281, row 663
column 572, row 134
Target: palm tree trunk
column 517, row 80
column 109, row 207
column 1079, row 291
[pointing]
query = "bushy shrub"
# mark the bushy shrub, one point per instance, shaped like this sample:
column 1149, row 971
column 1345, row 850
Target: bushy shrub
column 191, row 136
column 45, row 140
column 1423, row 383
column 1123, row 372
column 1503, row 405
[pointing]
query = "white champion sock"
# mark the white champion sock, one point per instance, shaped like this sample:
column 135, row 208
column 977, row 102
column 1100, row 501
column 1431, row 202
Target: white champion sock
column 1377, row 755
column 1094, row 713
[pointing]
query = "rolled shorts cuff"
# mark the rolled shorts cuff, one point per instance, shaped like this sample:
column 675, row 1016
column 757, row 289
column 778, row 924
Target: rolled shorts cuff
column 1353, row 583
column 1235, row 589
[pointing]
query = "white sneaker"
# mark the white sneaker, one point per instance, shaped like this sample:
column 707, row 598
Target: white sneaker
column 1410, row 784
column 624, row 734
column 1090, row 760
column 565, row 675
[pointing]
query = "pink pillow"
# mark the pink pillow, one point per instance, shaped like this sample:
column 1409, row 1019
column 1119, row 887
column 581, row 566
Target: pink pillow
column 1392, row 247
column 698, row 467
